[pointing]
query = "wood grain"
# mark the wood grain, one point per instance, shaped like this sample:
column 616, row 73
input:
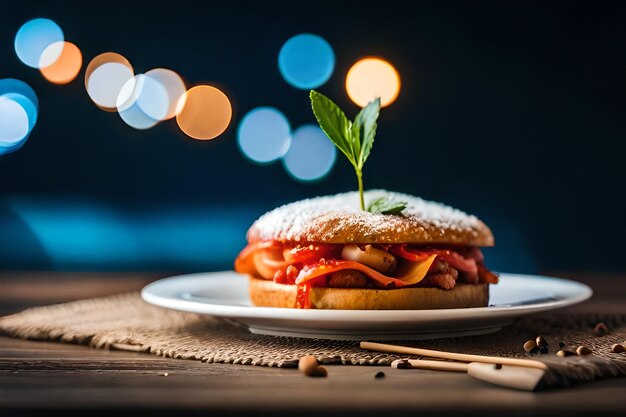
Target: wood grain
column 75, row 380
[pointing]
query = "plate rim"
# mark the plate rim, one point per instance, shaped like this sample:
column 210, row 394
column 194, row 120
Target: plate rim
column 269, row 313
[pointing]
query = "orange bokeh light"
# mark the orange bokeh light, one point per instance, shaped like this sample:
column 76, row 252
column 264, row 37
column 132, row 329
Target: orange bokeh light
column 105, row 58
column 66, row 67
column 371, row 78
column 99, row 61
column 206, row 112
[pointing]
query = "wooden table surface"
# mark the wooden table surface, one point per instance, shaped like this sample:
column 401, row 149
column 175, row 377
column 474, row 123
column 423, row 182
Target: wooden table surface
column 76, row 380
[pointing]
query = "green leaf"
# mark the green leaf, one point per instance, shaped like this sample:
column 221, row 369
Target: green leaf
column 383, row 205
column 364, row 129
column 334, row 123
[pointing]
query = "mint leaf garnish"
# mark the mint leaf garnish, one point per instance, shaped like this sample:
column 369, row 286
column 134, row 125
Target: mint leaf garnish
column 383, row 205
column 364, row 129
column 354, row 139
column 334, row 123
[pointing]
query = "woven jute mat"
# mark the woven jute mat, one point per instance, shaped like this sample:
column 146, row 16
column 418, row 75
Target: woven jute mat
column 127, row 322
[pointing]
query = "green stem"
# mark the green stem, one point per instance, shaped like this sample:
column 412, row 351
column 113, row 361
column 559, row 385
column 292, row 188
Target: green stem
column 359, row 177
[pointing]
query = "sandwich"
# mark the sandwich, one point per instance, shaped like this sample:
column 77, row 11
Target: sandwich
column 327, row 253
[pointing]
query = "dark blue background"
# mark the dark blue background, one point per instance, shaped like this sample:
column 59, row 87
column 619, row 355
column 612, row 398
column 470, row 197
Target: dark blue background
column 514, row 111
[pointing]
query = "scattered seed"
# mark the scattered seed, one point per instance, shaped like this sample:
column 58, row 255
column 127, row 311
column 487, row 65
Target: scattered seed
column 530, row 346
column 543, row 350
column 309, row 366
column 617, row 348
column 498, row 366
column 541, row 341
column 379, row 375
column 307, row 363
column 583, row 350
column 320, row 371
column 601, row 329
column 561, row 345
column 563, row 353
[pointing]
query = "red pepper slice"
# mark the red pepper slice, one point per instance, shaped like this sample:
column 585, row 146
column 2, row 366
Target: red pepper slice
column 403, row 252
column 244, row 263
column 486, row 275
column 302, row 295
column 452, row 258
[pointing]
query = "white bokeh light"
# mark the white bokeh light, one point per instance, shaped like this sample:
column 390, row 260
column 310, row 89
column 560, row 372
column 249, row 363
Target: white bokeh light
column 105, row 83
column 14, row 123
column 140, row 89
column 50, row 55
column 153, row 102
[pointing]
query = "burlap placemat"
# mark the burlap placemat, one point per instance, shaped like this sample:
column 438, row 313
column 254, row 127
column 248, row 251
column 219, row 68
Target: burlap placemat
column 126, row 322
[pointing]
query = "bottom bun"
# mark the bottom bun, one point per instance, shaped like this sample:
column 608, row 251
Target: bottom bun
column 264, row 293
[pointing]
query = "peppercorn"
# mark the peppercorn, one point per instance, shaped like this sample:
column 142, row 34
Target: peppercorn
column 541, row 341
column 563, row 353
column 617, row 348
column 530, row 346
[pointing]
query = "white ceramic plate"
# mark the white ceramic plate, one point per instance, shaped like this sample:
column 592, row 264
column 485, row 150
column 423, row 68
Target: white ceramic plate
column 225, row 294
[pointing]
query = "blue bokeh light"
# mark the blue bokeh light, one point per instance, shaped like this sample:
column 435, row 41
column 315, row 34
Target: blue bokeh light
column 19, row 108
column 264, row 135
column 33, row 38
column 311, row 154
column 12, row 85
column 306, row 61
column 78, row 234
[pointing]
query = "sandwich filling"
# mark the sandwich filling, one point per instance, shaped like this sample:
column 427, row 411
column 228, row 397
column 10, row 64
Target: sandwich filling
column 381, row 266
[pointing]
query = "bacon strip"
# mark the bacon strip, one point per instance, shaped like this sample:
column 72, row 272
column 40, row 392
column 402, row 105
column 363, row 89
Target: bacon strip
column 411, row 276
column 309, row 272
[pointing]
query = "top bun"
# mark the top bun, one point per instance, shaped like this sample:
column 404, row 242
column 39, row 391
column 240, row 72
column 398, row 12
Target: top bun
column 339, row 219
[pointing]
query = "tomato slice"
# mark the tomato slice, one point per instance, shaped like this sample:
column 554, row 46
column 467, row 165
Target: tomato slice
column 307, row 254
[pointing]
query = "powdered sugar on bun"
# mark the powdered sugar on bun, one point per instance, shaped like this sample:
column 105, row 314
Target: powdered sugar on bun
column 339, row 219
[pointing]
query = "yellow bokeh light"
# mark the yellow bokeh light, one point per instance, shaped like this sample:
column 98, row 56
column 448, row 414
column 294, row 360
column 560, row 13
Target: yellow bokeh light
column 66, row 67
column 205, row 112
column 370, row 78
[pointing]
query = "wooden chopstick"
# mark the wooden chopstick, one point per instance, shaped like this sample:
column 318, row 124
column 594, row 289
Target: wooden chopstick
column 383, row 347
column 433, row 365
